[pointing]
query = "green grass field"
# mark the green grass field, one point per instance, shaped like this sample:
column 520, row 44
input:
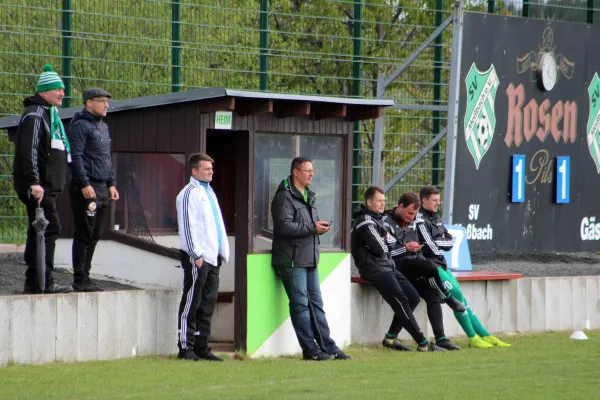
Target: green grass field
column 541, row 366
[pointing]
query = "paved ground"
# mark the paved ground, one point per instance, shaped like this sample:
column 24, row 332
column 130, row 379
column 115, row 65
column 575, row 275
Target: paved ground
column 12, row 276
column 557, row 264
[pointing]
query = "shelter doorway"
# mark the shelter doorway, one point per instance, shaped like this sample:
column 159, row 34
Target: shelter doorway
column 231, row 179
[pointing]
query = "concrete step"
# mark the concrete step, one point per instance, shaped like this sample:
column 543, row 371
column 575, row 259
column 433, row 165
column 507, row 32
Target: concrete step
column 225, row 348
column 96, row 326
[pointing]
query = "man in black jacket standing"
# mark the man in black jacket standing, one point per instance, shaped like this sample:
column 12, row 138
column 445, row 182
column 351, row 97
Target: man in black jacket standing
column 39, row 171
column 421, row 273
column 296, row 230
column 92, row 183
column 369, row 243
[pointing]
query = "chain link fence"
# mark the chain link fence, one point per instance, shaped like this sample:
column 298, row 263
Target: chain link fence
column 138, row 48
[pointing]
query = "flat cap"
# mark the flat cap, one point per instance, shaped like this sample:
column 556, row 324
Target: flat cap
column 94, row 92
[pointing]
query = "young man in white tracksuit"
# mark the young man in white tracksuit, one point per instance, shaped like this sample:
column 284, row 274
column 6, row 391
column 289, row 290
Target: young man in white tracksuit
column 204, row 247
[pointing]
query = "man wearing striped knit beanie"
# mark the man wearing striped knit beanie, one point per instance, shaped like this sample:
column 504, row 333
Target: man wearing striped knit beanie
column 42, row 153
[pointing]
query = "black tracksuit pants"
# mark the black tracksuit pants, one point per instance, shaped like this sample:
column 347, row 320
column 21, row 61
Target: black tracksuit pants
column 200, row 292
column 423, row 275
column 397, row 291
column 89, row 219
column 51, row 234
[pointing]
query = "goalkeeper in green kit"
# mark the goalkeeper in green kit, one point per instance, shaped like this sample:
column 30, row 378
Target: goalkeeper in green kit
column 436, row 240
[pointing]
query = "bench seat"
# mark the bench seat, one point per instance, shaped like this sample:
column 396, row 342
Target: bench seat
column 463, row 276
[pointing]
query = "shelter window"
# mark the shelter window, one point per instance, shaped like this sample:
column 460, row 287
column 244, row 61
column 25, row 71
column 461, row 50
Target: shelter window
column 273, row 155
column 148, row 184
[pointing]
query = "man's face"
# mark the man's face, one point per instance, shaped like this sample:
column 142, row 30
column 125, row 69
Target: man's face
column 53, row 97
column 407, row 214
column 97, row 106
column 432, row 203
column 204, row 172
column 377, row 203
column 304, row 174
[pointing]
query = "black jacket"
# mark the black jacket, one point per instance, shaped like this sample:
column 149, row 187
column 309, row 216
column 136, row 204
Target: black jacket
column 35, row 161
column 369, row 243
column 435, row 237
column 90, row 151
column 295, row 238
column 402, row 233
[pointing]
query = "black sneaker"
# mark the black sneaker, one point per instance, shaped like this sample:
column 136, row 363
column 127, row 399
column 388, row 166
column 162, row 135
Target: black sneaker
column 429, row 346
column 340, row 355
column 320, row 356
column 447, row 344
column 455, row 305
column 55, row 288
column 187, row 354
column 87, row 286
column 207, row 354
column 31, row 289
column 395, row 344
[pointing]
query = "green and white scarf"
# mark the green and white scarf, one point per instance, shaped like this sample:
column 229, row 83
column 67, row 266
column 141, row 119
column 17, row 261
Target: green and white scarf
column 59, row 137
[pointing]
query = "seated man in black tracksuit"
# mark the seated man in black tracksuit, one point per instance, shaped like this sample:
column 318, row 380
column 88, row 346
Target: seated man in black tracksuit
column 436, row 240
column 374, row 262
column 421, row 273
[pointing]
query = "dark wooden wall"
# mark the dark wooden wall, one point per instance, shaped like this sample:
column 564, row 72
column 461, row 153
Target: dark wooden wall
column 181, row 128
column 167, row 129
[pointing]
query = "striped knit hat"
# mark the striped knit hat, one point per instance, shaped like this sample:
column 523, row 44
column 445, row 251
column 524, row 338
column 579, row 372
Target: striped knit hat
column 49, row 80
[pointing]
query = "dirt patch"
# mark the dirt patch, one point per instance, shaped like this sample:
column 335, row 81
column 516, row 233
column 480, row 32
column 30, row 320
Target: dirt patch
column 12, row 276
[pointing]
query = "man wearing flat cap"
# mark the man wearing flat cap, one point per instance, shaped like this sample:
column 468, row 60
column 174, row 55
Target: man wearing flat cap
column 92, row 183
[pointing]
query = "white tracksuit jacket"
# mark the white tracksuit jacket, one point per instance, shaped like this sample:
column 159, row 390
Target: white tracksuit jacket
column 197, row 226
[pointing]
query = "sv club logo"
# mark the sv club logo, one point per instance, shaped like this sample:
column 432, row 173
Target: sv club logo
column 480, row 116
column 593, row 125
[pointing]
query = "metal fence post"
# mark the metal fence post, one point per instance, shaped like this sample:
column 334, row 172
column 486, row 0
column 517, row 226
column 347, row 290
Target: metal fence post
column 378, row 137
column 451, row 137
column 437, row 93
column 67, row 60
column 264, row 45
column 526, row 12
column 591, row 9
column 175, row 46
column 356, row 68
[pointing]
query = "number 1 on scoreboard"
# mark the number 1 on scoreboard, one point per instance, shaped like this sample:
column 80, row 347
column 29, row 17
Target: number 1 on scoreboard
column 518, row 178
column 563, row 184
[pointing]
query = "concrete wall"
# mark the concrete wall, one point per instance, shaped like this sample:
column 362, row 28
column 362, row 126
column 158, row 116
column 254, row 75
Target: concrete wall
column 110, row 325
column 141, row 268
column 95, row 326
column 520, row 305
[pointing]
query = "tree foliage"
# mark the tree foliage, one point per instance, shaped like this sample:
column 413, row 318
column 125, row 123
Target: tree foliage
column 125, row 46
